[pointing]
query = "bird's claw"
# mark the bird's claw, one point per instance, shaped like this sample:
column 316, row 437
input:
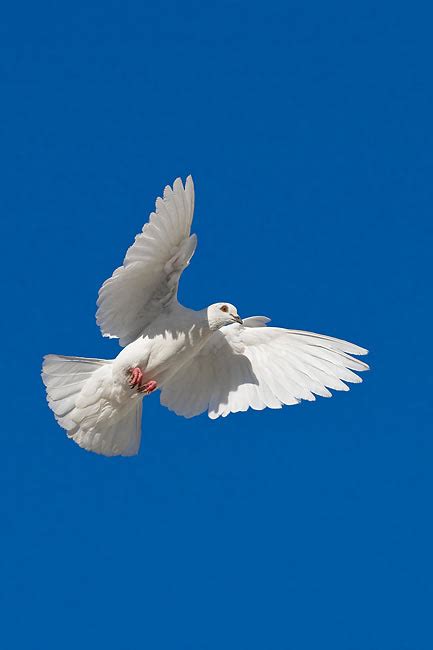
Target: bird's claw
column 135, row 379
column 148, row 388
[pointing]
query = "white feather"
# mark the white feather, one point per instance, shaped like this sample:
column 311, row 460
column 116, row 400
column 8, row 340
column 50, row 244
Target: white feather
column 200, row 360
column 258, row 367
column 147, row 282
column 79, row 391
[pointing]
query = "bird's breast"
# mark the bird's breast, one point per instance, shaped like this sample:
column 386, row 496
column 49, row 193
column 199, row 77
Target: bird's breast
column 159, row 356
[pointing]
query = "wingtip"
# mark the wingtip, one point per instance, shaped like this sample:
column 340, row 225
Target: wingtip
column 178, row 184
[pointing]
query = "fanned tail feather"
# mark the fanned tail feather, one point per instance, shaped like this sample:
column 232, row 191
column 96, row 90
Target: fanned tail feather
column 78, row 393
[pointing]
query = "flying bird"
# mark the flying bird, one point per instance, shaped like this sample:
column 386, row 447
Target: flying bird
column 208, row 360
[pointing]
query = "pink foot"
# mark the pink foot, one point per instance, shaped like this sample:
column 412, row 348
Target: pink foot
column 149, row 387
column 135, row 378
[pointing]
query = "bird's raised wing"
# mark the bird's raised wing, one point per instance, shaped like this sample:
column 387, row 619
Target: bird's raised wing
column 147, row 282
column 258, row 367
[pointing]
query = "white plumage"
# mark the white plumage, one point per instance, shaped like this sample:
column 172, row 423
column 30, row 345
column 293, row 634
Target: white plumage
column 257, row 367
column 207, row 360
column 147, row 281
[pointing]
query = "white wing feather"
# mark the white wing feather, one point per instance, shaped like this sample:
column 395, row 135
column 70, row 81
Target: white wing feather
column 258, row 367
column 147, row 282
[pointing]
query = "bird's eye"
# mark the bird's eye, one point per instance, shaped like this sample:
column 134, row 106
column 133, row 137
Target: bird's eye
column 224, row 308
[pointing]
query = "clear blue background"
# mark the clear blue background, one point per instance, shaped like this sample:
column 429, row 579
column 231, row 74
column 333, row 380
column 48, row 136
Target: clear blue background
column 308, row 130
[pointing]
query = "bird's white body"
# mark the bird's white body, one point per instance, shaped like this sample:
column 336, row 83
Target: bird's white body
column 208, row 360
column 172, row 340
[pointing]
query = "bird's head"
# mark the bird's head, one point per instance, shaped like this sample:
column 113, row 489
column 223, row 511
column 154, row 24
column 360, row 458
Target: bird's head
column 222, row 313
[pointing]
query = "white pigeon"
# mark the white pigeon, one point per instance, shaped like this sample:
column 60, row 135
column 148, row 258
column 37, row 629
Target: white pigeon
column 207, row 360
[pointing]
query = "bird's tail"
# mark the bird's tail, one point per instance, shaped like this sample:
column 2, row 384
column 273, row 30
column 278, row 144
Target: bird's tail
column 79, row 393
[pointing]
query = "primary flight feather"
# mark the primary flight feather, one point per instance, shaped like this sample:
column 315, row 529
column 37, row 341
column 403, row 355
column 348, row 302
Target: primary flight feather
column 208, row 360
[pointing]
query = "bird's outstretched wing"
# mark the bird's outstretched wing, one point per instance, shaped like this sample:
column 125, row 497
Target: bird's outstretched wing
column 147, row 282
column 258, row 367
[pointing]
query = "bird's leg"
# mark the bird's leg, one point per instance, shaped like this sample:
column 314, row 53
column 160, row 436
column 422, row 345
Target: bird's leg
column 149, row 387
column 135, row 377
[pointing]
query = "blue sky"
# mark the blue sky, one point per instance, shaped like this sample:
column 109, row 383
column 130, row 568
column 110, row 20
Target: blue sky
column 307, row 128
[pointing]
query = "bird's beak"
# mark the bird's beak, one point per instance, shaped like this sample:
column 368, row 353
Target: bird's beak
column 238, row 319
